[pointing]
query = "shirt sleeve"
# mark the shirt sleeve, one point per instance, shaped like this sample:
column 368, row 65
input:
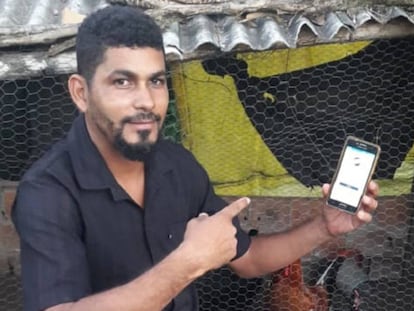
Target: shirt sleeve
column 53, row 257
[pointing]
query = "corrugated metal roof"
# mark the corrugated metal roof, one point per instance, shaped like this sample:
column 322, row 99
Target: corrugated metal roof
column 28, row 22
column 267, row 31
column 223, row 32
column 18, row 13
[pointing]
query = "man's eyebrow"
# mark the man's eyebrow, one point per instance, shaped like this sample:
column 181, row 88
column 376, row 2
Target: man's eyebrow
column 159, row 74
column 130, row 74
column 122, row 72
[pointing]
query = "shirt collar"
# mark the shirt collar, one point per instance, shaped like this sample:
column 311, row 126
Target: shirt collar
column 89, row 166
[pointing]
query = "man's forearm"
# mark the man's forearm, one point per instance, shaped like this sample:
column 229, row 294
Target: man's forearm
column 269, row 253
column 151, row 291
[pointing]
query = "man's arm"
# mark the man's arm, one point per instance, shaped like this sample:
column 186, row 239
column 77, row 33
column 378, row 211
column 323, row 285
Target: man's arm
column 268, row 253
column 151, row 291
column 209, row 242
column 271, row 252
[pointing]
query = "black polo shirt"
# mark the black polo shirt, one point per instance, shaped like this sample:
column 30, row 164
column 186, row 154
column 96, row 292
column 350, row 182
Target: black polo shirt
column 80, row 231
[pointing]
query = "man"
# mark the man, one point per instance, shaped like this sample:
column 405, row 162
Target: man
column 114, row 218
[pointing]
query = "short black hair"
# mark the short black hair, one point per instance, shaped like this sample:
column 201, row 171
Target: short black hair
column 113, row 26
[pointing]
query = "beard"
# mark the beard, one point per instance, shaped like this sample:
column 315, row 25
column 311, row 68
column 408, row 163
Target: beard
column 135, row 152
column 140, row 150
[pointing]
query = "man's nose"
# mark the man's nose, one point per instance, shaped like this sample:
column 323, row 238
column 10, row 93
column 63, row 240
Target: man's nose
column 144, row 99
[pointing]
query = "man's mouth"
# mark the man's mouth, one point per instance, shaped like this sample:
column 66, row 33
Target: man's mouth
column 142, row 125
column 143, row 121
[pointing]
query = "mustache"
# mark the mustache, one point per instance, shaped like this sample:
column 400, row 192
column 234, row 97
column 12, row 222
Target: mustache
column 142, row 116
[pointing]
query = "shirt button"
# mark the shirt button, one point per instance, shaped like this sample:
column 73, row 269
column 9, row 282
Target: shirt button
column 170, row 236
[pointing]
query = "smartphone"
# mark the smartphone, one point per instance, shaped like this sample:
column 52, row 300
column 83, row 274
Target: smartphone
column 354, row 171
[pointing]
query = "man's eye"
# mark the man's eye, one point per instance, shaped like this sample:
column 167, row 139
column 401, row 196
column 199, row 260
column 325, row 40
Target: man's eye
column 121, row 82
column 158, row 81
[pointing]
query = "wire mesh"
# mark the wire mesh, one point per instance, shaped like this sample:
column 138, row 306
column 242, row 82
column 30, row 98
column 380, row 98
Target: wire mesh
column 290, row 121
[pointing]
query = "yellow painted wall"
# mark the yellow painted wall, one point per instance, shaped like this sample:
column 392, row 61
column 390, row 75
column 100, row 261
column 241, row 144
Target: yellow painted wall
column 218, row 132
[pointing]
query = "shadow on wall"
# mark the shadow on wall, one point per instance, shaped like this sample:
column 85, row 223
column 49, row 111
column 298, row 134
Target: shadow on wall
column 304, row 116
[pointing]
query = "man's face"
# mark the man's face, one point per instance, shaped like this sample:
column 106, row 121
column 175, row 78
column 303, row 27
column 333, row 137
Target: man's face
column 128, row 100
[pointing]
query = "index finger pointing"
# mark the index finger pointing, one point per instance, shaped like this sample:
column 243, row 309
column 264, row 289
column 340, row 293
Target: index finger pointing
column 236, row 207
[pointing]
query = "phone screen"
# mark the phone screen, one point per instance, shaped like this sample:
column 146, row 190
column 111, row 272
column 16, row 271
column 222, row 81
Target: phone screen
column 355, row 169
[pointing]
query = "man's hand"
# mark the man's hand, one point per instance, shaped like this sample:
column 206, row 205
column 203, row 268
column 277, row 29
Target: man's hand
column 211, row 239
column 338, row 222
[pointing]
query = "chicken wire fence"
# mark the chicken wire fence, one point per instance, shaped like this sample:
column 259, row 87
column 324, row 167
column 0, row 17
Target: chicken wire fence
column 269, row 125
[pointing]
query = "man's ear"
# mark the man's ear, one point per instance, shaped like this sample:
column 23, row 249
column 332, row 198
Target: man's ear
column 78, row 89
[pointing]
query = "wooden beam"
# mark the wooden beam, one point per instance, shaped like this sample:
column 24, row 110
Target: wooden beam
column 35, row 35
column 186, row 8
column 24, row 65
